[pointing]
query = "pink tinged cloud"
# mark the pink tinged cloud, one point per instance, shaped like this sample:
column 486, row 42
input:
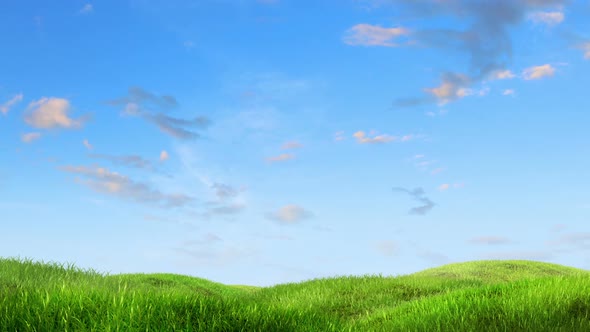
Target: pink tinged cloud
column 7, row 105
column 443, row 187
column 502, row 75
column 281, row 157
column 291, row 145
column 29, row 137
column 549, row 18
column 508, row 92
column 370, row 35
column 450, row 89
column 538, row 72
column 163, row 155
column 290, row 214
column 49, row 113
column 360, row 137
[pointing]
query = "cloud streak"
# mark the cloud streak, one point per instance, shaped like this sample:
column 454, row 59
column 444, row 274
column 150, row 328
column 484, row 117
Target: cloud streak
column 418, row 194
column 138, row 102
column 134, row 161
column 4, row 108
column 106, row 182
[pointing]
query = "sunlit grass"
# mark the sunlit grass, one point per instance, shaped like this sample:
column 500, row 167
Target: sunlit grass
column 473, row 296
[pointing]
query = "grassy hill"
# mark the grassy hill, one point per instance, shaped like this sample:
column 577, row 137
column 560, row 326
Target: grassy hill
column 494, row 295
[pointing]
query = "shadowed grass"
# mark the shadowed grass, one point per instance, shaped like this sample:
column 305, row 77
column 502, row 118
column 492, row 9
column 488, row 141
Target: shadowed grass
column 473, row 296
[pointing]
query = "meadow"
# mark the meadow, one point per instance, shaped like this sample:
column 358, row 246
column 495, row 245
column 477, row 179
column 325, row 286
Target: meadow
column 493, row 295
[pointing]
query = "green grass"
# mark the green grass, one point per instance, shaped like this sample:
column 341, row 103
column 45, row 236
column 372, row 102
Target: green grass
column 473, row 296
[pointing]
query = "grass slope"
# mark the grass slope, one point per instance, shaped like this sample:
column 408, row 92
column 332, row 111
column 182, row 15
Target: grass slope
column 508, row 295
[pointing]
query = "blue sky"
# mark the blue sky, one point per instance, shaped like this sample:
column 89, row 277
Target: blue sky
column 266, row 142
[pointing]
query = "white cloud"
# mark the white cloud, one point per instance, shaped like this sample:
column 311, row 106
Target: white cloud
column 370, row 35
column 508, row 92
column 549, row 18
column 87, row 145
column 7, row 105
column 29, row 137
column 163, row 155
column 86, row 9
column 502, row 75
column 538, row 72
column 49, row 113
column 339, row 136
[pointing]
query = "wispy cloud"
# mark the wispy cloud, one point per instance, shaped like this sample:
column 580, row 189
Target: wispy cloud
column 106, row 182
column 502, row 74
column 139, row 96
column 87, row 145
column 538, row 72
column 291, row 145
column 548, row 18
column 281, row 157
column 491, row 240
column 418, row 195
column 87, row 9
column 446, row 186
column 387, row 248
column 29, row 137
column 4, row 108
column 52, row 112
column 508, row 92
column 580, row 240
column 139, row 102
column 173, row 126
column 585, row 46
column 370, row 35
column 437, row 170
column 134, row 161
column 339, row 136
column 289, row 214
column 362, row 139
